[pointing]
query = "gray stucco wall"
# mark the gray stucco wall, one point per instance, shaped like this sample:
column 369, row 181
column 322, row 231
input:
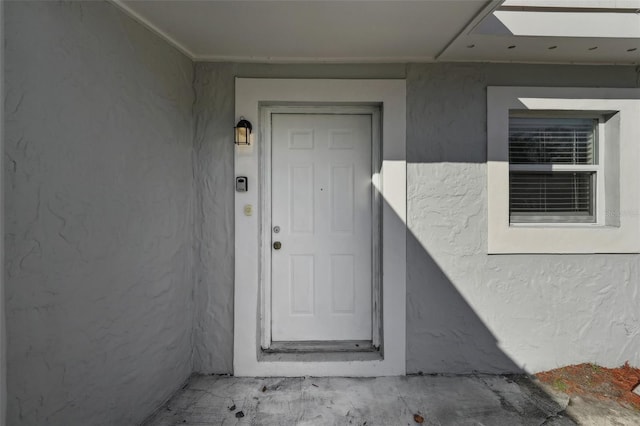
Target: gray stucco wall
column 112, row 181
column 98, row 169
column 214, row 175
column 467, row 311
column 3, row 330
column 470, row 311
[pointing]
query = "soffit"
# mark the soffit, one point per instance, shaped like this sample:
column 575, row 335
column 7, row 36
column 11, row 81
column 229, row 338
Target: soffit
column 527, row 31
column 553, row 31
column 308, row 31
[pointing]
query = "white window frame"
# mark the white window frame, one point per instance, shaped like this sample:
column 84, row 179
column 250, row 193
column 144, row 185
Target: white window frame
column 617, row 229
column 599, row 210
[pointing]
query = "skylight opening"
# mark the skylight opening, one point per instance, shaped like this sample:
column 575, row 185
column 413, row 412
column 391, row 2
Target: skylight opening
column 564, row 18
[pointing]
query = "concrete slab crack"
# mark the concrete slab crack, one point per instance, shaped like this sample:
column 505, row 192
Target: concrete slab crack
column 503, row 401
column 552, row 417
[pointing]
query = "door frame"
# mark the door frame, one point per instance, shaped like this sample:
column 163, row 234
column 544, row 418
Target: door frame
column 390, row 95
column 265, row 163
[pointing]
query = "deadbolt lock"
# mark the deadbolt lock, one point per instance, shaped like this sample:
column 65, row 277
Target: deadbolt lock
column 277, row 245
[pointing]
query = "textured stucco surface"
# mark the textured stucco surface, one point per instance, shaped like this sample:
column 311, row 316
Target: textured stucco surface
column 98, row 168
column 119, row 222
column 470, row 311
column 214, row 179
column 3, row 335
column 466, row 311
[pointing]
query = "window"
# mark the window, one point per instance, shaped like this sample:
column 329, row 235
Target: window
column 563, row 170
column 553, row 169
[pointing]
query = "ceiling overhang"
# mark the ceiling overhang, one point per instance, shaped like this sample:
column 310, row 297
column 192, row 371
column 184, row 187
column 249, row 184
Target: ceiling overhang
column 553, row 31
column 307, row 30
column 365, row 31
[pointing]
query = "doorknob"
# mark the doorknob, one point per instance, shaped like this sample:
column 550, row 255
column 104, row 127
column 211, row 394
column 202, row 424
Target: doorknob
column 277, row 245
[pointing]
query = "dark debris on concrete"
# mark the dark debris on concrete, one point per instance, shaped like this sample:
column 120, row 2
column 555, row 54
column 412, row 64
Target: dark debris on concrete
column 409, row 400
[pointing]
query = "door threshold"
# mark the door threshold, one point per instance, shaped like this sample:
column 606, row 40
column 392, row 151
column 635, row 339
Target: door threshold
column 321, row 351
column 313, row 346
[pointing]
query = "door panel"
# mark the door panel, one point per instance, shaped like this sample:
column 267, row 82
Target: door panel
column 321, row 276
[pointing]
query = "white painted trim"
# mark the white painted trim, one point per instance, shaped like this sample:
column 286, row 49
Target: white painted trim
column 120, row 4
column 391, row 94
column 489, row 8
column 264, row 195
column 560, row 238
column 585, row 4
column 530, row 62
column 319, row 59
column 601, row 155
column 376, row 222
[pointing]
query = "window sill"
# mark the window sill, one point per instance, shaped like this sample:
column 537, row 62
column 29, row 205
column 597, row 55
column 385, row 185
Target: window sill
column 562, row 225
column 564, row 239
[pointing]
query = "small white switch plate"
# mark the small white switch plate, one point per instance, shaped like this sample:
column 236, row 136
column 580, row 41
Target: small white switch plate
column 248, row 209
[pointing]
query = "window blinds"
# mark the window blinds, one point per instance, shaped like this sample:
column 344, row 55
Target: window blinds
column 539, row 190
column 551, row 140
column 558, row 194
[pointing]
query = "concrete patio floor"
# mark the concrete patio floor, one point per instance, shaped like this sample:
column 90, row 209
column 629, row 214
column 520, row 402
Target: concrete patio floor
column 440, row 400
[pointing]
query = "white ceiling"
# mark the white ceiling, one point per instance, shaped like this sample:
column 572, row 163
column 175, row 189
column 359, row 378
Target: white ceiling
column 608, row 4
column 397, row 30
column 302, row 31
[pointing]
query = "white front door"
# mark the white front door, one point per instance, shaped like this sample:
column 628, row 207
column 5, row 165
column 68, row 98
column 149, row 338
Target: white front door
column 321, row 227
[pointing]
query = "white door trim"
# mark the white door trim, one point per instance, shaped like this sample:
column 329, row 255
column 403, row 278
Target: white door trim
column 264, row 154
column 248, row 315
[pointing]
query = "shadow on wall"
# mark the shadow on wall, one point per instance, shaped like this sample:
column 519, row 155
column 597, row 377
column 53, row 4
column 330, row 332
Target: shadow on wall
column 457, row 294
column 444, row 333
column 446, row 224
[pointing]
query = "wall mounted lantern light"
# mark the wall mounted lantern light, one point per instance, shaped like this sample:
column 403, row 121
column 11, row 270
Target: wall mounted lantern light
column 243, row 132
